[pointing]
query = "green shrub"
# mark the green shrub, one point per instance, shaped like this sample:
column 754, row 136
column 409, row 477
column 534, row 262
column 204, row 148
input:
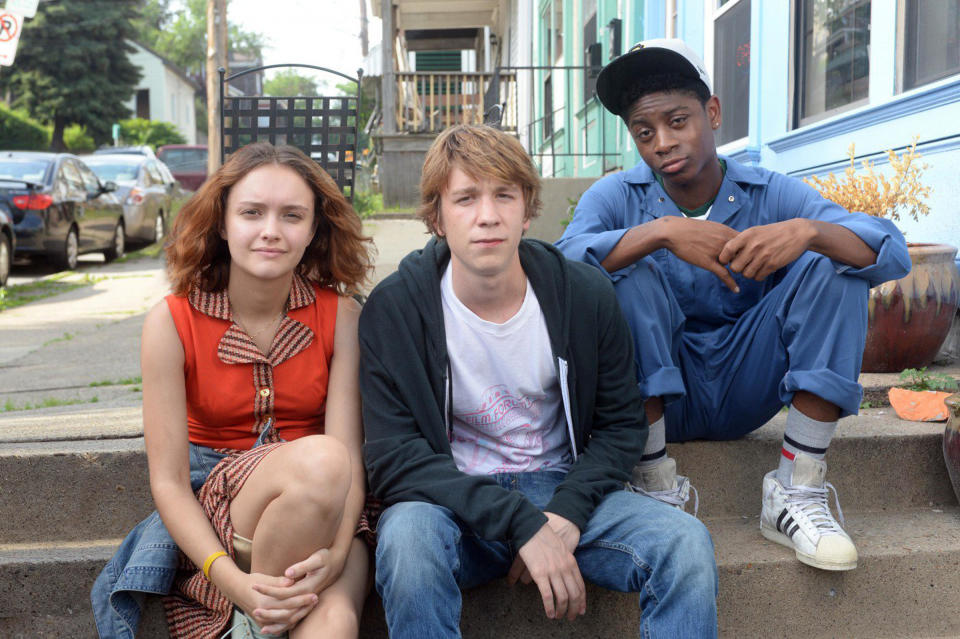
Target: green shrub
column 154, row 133
column 366, row 203
column 78, row 140
column 19, row 132
column 921, row 380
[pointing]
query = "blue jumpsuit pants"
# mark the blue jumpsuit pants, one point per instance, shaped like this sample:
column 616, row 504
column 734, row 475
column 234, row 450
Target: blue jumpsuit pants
column 806, row 333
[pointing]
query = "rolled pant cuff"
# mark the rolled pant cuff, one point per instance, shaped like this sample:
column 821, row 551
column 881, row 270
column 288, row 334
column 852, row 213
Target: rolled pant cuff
column 826, row 384
column 666, row 383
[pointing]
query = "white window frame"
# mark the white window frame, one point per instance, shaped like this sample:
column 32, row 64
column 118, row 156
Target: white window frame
column 711, row 12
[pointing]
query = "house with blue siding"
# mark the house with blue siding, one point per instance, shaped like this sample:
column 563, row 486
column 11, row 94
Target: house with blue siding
column 799, row 81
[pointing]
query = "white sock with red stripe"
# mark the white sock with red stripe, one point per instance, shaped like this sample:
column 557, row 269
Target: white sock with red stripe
column 803, row 435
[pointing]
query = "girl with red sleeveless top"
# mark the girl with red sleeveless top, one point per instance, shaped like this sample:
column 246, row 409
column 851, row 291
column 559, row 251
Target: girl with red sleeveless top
column 250, row 367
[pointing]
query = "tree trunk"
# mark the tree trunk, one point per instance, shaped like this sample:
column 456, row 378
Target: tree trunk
column 56, row 138
column 364, row 47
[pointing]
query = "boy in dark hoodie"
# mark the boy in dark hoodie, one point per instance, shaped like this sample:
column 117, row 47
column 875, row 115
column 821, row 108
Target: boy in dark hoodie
column 503, row 417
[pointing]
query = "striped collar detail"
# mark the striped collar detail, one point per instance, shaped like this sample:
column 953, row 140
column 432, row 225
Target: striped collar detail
column 236, row 347
column 217, row 303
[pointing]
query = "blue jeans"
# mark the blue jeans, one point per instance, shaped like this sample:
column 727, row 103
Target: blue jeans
column 631, row 543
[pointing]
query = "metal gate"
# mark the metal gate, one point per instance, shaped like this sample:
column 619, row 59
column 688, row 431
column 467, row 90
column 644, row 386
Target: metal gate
column 323, row 127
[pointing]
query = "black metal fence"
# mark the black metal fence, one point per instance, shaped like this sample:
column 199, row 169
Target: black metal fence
column 323, row 127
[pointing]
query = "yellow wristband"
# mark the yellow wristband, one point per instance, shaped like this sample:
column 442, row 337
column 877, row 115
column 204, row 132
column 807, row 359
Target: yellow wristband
column 209, row 562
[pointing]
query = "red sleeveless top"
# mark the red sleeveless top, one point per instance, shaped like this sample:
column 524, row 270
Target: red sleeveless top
column 234, row 390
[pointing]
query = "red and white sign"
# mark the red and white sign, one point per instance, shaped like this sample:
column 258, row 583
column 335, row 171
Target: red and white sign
column 25, row 8
column 10, row 26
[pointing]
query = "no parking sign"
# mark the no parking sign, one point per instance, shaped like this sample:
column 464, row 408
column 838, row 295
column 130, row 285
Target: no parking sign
column 10, row 26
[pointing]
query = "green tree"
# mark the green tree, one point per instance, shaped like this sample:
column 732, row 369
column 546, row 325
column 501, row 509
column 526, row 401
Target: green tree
column 181, row 36
column 289, row 83
column 368, row 100
column 73, row 66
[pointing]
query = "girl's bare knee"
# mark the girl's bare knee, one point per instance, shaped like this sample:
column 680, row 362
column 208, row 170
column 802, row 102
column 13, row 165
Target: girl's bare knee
column 336, row 616
column 319, row 461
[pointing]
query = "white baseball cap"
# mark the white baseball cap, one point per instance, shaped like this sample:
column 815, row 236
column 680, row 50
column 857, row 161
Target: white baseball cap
column 649, row 57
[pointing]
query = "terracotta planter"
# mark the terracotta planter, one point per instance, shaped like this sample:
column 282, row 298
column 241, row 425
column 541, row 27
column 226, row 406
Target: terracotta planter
column 951, row 443
column 909, row 318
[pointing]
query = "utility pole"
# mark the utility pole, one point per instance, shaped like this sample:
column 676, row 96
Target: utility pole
column 216, row 58
column 363, row 28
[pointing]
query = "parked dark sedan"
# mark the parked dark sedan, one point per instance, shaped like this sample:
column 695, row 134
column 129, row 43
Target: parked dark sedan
column 146, row 188
column 60, row 208
column 7, row 242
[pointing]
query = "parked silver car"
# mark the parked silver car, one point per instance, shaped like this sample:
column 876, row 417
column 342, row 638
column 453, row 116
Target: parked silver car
column 146, row 188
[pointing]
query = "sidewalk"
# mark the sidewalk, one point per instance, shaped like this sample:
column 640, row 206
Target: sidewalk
column 77, row 355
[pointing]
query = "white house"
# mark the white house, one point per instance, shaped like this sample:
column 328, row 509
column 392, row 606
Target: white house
column 164, row 93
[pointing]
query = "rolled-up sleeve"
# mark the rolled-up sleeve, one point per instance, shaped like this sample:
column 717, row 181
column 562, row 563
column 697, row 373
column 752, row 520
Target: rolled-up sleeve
column 598, row 225
column 798, row 199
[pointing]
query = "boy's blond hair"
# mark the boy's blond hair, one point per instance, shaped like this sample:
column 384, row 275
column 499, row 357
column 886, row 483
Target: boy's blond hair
column 480, row 152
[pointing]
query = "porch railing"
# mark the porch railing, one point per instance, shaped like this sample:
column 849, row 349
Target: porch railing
column 430, row 101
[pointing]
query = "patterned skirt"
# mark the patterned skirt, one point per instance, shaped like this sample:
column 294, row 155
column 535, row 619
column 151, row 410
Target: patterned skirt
column 196, row 609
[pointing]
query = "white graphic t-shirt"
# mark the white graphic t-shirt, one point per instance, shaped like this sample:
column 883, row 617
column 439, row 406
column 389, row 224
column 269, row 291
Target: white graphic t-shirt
column 507, row 407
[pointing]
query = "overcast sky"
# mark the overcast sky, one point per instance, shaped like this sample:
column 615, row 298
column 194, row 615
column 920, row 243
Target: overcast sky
column 325, row 33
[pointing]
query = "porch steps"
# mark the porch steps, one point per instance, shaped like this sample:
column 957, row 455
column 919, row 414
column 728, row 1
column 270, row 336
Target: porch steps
column 64, row 505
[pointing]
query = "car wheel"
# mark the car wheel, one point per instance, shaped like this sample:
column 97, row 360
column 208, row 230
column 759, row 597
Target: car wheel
column 67, row 259
column 119, row 245
column 159, row 227
column 6, row 259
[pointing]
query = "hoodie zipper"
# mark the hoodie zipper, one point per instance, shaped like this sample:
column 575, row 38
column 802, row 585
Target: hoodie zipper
column 447, row 392
column 563, row 370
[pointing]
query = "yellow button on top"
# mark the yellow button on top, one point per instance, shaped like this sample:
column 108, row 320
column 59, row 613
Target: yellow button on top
column 264, row 392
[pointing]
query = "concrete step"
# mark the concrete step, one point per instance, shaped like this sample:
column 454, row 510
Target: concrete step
column 877, row 462
column 907, row 585
column 72, row 491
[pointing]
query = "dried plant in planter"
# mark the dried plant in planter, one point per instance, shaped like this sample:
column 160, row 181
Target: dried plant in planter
column 877, row 194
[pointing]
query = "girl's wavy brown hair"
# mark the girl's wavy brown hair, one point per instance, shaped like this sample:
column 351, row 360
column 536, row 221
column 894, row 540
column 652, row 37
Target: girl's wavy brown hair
column 338, row 257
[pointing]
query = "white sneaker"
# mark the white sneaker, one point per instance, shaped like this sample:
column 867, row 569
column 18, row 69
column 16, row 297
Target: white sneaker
column 662, row 483
column 246, row 628
column 798, row 516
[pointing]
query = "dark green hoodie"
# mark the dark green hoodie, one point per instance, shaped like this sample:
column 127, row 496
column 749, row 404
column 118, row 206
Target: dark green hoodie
column 406, row 393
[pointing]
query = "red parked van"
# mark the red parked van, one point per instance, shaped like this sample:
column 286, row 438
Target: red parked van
column 187, row 162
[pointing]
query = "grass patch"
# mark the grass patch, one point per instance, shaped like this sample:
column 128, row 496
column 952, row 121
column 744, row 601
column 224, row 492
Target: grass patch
column 118, row 382
column 66, row 337
column 151, row 251
column 20, row 294
column 49, row 402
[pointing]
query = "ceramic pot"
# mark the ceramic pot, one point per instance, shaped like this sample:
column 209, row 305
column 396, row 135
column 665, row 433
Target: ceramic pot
column 951, row 443
column 909, row 318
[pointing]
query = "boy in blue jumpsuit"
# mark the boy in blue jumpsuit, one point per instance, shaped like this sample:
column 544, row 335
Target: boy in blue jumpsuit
column 744, row 289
